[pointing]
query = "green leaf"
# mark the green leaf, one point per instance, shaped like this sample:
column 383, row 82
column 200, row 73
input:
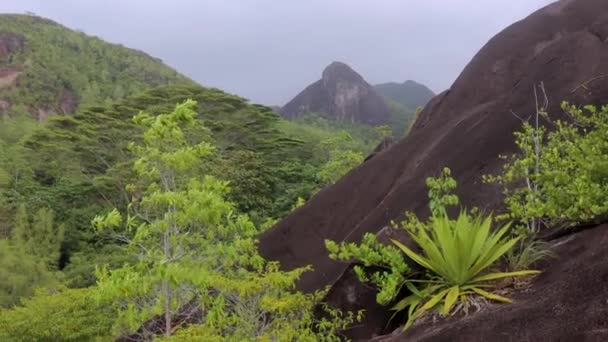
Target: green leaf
column 450, row 299
column 434, row 300
column 499, row 275
column 491, row 296
column 412, row 255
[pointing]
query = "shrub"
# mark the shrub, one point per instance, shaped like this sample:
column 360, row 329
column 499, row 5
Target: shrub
column 559, row 177
column 390, row 267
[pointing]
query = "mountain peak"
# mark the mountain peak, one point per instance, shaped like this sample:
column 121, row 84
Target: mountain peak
column 343, row 95
column 339, row 71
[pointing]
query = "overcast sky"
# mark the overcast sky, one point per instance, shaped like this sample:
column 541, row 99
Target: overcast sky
column 269, row 50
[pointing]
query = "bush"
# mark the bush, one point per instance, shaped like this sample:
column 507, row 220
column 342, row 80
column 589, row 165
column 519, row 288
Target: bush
column 559, row 178
column 391, row 268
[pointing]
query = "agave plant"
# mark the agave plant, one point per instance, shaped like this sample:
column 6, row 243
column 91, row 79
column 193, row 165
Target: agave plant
column 458, row 255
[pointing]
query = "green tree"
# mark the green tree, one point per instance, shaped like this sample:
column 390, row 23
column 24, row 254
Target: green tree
column 169, row 227
column 42, row 238
column 20, row 274
column 384, row 131
column 339, row 164
column 340, row 160
column 25, row 257
column 21, row 230
column 194, row 252
column 46, row 237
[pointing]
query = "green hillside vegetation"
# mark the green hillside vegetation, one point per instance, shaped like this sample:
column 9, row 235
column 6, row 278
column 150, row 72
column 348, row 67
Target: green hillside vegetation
column 192, row 265
column 402, row 118
column 61, row 68
column 78, row 166
column 410, row 95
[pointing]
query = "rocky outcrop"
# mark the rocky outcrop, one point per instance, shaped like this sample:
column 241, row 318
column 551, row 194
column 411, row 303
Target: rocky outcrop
column 9, row 75
column 409, row 94
column 341, row 94
column 67, row 102
column 466, row 128
column 10, row 43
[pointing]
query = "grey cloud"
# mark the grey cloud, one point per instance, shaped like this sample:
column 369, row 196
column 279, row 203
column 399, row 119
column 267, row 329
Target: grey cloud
column 268, row 50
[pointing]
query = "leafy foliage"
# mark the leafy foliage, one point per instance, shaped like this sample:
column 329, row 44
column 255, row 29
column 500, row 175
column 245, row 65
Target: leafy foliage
column 15, row 170
column 29, row 256
column 79, row 165
column 440, row 192
column 539, row 183
column 266, row 307
column 20, row 274
column 527, row 252
column 392, row 268
column 60, row 315
column 340, row 162
column 42, row 238
column 194, row 252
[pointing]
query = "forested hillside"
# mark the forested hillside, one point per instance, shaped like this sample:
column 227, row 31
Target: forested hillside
column 46, row 68
column 56, row 177
column 78, row 165
column 409, row 94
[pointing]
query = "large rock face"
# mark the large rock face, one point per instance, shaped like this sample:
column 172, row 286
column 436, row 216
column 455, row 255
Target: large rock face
column 343, row 95
column 409, row 94
column 466, row 128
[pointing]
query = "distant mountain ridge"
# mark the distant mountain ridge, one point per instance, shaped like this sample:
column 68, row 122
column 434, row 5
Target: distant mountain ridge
column 343, row 95
column 410, row 94
column 46, row 68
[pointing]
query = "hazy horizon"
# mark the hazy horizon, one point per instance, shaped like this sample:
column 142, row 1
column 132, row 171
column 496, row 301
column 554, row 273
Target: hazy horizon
column 268, row 51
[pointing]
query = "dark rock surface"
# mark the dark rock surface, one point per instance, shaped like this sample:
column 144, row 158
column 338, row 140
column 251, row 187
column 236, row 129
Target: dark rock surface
column 564, row 46
column 343, row 95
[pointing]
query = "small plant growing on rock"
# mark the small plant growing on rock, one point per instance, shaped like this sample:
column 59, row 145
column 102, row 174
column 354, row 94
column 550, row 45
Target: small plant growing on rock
column 458, row 257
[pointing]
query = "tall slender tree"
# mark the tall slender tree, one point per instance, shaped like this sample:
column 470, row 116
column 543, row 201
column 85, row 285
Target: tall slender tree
column 197, row 258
